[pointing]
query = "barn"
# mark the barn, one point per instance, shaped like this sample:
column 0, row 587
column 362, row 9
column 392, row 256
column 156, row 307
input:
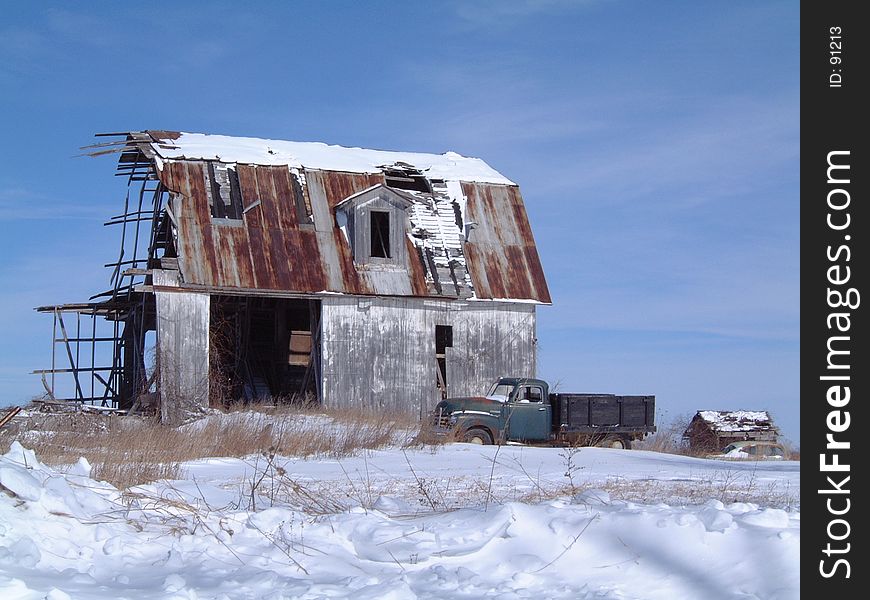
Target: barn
column 263, row 270
column 712, row 430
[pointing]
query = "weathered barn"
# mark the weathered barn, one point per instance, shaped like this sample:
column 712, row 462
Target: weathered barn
column 272, row 269
column 712, row 430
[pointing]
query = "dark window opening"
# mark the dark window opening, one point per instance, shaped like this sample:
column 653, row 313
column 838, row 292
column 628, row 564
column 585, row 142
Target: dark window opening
column 380, row 234
column 443, row 340
column 406, row 178
column 225, row 194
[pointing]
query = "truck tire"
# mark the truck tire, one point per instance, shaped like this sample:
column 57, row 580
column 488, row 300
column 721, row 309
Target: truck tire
column 615, row 441
column 477, row 435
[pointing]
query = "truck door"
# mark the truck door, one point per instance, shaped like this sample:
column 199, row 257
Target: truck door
column 528, row 417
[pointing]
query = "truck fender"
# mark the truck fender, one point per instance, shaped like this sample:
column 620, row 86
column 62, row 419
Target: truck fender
column 469, row 420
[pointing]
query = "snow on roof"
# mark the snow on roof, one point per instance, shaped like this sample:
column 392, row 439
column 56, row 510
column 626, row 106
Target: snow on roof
column 449, row 166
column 736, row 420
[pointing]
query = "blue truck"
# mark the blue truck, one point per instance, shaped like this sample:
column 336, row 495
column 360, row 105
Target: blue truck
column 519, row 409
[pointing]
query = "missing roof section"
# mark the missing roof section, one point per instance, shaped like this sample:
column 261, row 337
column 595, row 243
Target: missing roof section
column 304, row 213
column 436, row 219
column 403, row 176
column 223, row 191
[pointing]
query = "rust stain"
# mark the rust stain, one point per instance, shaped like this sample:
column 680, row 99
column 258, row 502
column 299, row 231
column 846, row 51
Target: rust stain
column 419, row 286
column 542, row 292
column 515, row 266
column 255, row 225
column 270, row 250
column 285, row 202
column 339, row 185
column 349, row 275
column 520, row 217
column 477, row 271
column 502, row 257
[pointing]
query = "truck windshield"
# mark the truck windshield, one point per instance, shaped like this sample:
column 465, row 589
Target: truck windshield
column 499, row 392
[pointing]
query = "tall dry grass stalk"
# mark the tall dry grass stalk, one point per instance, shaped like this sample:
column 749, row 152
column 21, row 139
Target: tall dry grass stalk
column 127, row 451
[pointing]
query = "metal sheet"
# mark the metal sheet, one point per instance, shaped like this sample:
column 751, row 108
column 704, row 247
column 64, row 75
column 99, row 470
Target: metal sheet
column 273, row 247
column 502, row 257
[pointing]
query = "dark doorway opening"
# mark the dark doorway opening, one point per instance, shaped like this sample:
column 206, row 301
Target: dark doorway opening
column 264, row 350
column 443, row 340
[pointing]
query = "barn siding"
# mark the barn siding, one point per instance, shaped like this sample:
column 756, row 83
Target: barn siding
column 380, row 352
column 182, row 347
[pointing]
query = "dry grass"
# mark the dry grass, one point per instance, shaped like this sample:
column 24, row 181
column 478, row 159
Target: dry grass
column 127, row 451
column 668, row 439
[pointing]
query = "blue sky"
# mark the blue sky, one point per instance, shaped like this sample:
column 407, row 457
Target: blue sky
column 656, row 145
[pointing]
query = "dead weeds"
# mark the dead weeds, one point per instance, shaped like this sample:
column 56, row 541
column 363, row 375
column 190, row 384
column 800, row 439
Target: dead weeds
column 128, row 451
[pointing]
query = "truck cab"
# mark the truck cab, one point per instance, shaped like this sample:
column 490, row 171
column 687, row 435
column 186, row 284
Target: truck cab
column 515, row 409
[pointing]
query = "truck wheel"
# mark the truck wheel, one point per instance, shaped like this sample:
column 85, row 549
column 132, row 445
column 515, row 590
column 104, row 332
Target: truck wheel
column 619, row 443
column 476, row 435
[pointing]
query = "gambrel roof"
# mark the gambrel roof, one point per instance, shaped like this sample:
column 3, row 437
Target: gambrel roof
column 467, row 232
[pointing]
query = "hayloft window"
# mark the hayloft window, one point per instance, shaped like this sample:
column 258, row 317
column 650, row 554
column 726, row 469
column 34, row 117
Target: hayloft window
column 224, row 192
column 380, row 234
column 374, row 223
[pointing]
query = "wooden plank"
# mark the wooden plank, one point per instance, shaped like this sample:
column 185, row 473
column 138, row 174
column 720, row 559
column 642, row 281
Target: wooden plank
column 323, row 219
column 72, row 370
column 382, row 352
column 182, row 350
column 10, row 414
column 72, row 361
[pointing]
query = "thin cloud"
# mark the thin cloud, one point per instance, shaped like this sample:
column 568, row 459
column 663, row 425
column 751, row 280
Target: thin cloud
column 713, row 150
column 18, row 204
column 83, row 28
column 749, row 293
column 721, row 151
column 501, row 14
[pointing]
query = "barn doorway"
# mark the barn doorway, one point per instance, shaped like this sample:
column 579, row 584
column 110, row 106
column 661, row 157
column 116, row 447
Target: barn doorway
column 264, row 350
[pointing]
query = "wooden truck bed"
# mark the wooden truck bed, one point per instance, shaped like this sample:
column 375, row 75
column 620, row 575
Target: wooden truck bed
column 588, row 413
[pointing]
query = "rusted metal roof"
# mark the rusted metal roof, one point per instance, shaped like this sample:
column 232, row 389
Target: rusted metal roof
column 474, row 235
column 502, row 256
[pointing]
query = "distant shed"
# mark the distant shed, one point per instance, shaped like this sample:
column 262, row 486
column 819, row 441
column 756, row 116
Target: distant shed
column 712, row 430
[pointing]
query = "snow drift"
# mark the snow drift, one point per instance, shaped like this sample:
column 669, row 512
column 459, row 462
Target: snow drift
column 64, row 535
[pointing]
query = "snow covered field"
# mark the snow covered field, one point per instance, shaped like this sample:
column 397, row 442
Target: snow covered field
column 456, row 521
